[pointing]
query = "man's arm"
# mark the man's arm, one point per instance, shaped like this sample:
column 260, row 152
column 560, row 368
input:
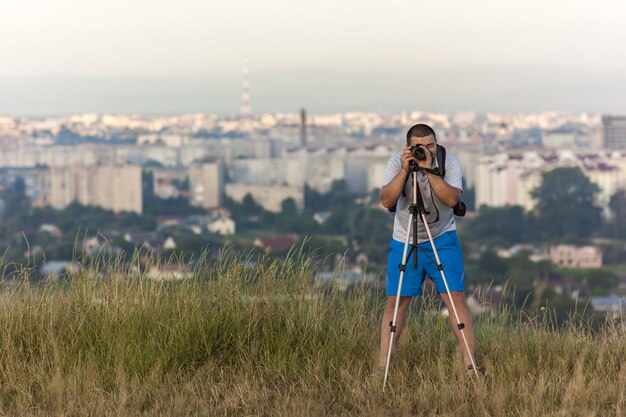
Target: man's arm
column 390, row 192
column 446, row 193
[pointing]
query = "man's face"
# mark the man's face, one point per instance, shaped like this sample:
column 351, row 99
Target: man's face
column 427, row 142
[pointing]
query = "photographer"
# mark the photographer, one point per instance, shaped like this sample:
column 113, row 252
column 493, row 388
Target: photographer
column 440, row 196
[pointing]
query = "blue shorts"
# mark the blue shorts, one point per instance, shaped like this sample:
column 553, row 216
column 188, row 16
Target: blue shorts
column 449, row 252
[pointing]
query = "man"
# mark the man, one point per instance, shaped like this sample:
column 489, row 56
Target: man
column 440, row 195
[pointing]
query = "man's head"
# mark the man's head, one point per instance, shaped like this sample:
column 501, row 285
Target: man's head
column 422, row 135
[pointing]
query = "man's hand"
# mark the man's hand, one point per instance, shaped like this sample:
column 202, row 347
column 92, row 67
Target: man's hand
column 405, row 158
column 390, row 193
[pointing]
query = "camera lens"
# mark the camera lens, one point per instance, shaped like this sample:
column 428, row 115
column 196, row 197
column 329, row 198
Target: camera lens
column 418, row 152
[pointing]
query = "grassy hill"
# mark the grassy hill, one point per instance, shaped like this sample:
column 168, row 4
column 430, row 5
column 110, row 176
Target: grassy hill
column 236, row 340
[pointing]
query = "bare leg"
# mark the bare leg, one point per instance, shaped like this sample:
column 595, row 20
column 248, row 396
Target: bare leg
column 385, row 330
column 466, row 318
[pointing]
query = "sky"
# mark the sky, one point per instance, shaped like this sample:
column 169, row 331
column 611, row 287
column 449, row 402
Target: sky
column 169, row 42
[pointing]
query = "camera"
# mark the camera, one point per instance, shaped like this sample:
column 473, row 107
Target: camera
column 418, row 152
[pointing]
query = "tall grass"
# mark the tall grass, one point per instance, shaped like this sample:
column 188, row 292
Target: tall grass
column 248, row 336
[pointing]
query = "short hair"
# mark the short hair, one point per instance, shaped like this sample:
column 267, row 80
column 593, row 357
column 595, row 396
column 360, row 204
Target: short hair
column 419, row 131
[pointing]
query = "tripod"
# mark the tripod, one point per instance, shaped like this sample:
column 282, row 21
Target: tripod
column 417, row 210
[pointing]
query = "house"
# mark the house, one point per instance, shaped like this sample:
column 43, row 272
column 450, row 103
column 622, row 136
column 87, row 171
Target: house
column 147, row 240
column 169, row 243
column 222, row 226
column 166, row 222
column 569, row 256
column 52, row 270
column 612, row 305
column 52, row 229
column 321, row 217
column 534, row 254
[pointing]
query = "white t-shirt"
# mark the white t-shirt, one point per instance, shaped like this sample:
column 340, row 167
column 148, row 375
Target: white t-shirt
column 432, row 205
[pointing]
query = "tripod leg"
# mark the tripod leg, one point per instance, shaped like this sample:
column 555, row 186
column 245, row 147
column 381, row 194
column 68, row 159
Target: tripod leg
column 460, row 325
column 392, row 324
column 458, row 298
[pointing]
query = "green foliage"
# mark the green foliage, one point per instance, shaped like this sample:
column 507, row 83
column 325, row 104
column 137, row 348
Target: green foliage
column 492, row 267
column 361, row 223
column 147, row 184
column 369, row 225
column 469, row 197
column 565, row 205
column 613, row 254
column 599, row 281
column 322, row 248
column 616, row 225
column 504, row 225
column 289, row 214
column 314, row 201
column 16, row 203
column 155, row 206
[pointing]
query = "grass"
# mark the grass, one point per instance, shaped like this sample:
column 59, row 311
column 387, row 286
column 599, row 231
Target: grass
column 619, row 269
column 259, row 341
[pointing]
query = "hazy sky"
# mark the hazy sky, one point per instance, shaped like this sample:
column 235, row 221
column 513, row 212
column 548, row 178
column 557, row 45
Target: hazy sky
column 167, row 56
column 174, row 38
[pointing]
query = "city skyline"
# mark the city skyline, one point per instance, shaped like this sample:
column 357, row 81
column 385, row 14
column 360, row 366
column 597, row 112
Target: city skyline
column 480, row 89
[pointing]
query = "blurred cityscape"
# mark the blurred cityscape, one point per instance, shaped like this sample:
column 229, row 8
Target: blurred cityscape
column 183, row 182
column 99, row 159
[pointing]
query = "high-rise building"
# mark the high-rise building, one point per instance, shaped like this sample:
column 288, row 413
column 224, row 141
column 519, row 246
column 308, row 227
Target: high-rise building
column 118, row 188
column 206, row 184
column 270, row 197
column 112, row 187
column 614, row 132
column 36, row 183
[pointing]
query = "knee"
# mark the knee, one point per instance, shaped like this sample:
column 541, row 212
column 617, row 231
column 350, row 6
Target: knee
column 458, row 296
column 402, row 305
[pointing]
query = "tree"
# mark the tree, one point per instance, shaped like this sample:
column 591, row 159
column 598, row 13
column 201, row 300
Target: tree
column 599, row 281
column 250, row 208
column 314, row 201
column 289, row 218
column 339, row 197
column 469, row 196
column 565, row 205
column 492, row 267
column 616, row 226
column 369, row 226
column 505, row 225
column 147, row 184
column 15, row 200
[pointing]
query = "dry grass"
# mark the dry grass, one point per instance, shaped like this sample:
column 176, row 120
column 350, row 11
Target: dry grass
column 259, row 342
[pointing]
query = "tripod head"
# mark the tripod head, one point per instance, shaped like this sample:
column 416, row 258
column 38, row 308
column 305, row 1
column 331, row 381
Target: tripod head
column 414, row 167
